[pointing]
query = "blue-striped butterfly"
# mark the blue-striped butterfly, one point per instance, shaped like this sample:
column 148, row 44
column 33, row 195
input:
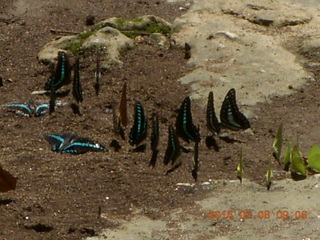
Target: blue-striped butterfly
column 71, row 143
column 230, row 116
column 61, row 75
column 173, row 149
column 27, row 110
column 212, row 120
column 139, row 128
column 184, row 125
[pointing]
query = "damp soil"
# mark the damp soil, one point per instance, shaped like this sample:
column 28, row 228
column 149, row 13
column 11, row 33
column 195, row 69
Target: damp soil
column 64, row 196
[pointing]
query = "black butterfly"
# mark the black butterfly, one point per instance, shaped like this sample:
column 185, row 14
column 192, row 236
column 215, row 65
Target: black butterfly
column 71, row 143
column 212, row 120
column 27, row 110
column 173, row 149
column 230, row 116
column 155, row 132
column 139, row 128
column 77, row 89
column 62, row 73
column 184, row 125
column 97, row 75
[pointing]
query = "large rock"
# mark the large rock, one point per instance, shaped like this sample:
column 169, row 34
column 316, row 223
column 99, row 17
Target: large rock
column 111, row 37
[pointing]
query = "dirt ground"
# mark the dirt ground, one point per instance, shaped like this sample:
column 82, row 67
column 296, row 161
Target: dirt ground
column 63, row 196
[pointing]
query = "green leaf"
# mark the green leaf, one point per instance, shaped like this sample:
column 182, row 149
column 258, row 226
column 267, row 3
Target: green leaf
column 297, row 161
column 240, row 166
column 277, row 143
column 287, row 156
column 314, row 158
column 269, row 175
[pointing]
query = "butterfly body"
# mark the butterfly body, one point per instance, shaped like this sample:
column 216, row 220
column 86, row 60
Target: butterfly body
column 230, row 115
column 184, row 125
column 71, row 143
column 139, row 128
column 27, row 110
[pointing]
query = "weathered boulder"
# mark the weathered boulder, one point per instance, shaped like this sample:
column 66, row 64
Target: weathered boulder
column 111, row 37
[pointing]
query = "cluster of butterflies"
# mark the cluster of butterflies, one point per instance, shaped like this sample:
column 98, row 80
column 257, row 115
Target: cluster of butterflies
column 61, row 75
column 230, row 117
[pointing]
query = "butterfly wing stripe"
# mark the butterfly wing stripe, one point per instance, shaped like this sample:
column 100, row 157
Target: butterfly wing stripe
column 42, row 109
column 139, row 127
column 173, row 149
column 56, row 141
column 82, row 147
column 62, row 72
column 19, row 108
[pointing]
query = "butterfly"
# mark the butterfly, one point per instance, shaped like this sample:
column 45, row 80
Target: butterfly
column 230, row 116
column 77, row 89
column 97, row 75
column 184, row 125
column 173, row 149
column 139, row 128
column 61, row 75
column 27, row 110
column 212, row 120
column 155, row 132
column 71, row 143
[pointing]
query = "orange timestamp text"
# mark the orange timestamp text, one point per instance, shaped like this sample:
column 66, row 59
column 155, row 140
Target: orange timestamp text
column 248, row 214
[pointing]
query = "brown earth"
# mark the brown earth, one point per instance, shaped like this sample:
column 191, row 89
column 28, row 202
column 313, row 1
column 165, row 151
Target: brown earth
column 61, row 196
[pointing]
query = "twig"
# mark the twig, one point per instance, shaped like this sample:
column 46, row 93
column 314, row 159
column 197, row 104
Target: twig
column 62, row 31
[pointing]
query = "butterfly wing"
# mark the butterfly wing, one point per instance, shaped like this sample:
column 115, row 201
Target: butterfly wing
column 139, row 128
column 173, row 149
column 19, row 108
column 41, row 109
column 155, row 132
column 77, row 88
column 212, row 120
column 81, row 145
column 230, row 116
column 59, row 141
column 184, row 125
column 123, row 117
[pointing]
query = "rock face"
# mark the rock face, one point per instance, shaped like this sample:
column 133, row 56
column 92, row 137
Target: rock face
column 252, row 46
column 112, row 37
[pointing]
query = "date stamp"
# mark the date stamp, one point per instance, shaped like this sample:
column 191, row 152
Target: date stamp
column 248, row 214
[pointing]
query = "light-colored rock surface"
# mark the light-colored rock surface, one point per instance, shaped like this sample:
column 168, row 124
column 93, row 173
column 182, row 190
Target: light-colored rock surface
column 193, row 223
column 112, row 42
column 246, row 45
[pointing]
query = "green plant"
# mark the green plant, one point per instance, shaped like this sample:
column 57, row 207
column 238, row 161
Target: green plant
column 240, row 166
column 269, row 175
column 75, row 47
column 314, row 158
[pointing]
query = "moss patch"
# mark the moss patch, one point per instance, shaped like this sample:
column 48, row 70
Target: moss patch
column 140, row 30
